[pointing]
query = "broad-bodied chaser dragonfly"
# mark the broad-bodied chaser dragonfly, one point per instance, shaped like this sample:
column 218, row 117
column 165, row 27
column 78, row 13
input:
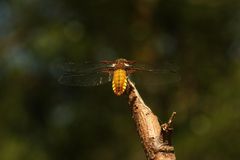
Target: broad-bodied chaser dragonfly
column 117, row 71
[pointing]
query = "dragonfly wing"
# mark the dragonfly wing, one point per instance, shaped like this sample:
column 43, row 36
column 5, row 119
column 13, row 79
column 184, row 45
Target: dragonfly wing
column 83, row 68
column 161, row 74
column 163, row 68
column 85, row 74
column 90, row 79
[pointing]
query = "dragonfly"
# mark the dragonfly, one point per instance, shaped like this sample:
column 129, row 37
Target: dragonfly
column 118, row 71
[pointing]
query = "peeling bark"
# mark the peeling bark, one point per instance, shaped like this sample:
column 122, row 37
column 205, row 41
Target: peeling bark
column 155, row 137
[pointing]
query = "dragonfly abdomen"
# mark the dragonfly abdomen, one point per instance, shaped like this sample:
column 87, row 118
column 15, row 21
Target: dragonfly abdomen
column 119, row 81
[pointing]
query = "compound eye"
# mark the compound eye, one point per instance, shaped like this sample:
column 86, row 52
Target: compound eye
column 114, row 64
column 126, row 65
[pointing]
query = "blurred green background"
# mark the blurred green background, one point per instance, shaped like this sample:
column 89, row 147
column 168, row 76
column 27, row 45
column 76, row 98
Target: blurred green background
column 42, row 120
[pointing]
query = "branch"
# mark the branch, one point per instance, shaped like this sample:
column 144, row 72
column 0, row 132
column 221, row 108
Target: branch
column 155, row 138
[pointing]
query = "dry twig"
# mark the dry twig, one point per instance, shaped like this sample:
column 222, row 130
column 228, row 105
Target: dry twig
column 155, row 138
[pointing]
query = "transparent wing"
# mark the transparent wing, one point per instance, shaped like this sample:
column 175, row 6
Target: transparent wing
column 160, row 74
column 85, row 74
column 84, row 68
column 91, row 79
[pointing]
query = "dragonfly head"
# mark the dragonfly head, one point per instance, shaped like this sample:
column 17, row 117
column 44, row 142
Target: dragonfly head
column 122, row 63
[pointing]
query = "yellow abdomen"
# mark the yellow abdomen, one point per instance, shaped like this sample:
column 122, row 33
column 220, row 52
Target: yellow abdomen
column 119, row 82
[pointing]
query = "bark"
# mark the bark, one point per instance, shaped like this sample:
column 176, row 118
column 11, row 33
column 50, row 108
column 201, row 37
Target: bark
column 155, row 137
